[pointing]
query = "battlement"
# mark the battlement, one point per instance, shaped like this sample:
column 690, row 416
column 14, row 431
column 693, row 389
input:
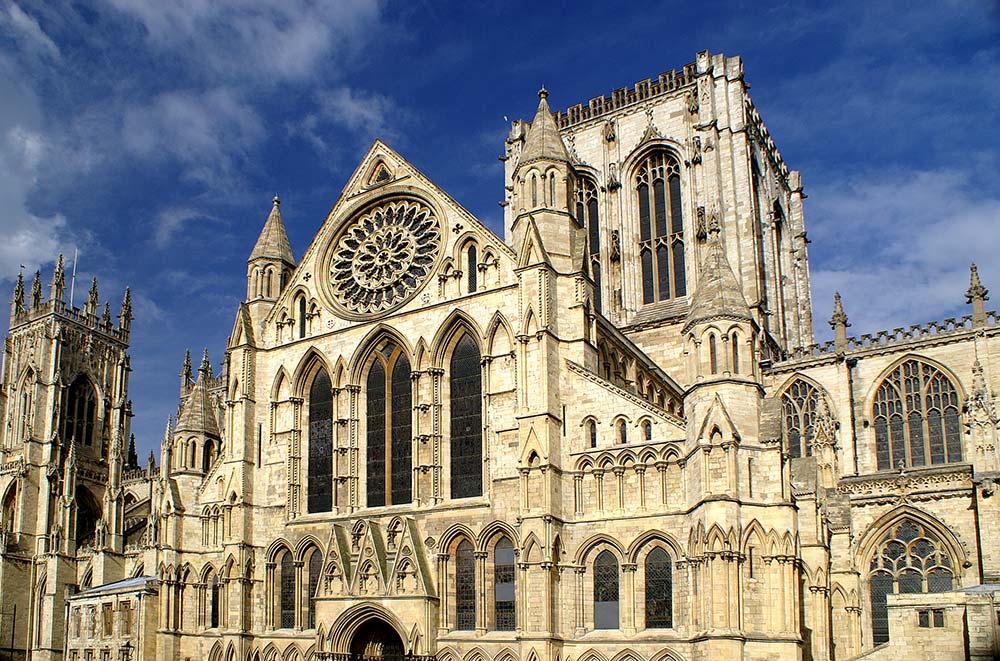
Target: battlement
column 59, row 308
column 624, row 97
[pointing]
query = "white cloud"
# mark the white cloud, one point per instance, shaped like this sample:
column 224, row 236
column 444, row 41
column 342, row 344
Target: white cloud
column 169, row 221
column 359, row 114
column 897, row 245
column 29, row 32
column 273, row 40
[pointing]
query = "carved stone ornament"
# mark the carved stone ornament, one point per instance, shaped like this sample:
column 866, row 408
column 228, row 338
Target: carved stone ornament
column 382, row 257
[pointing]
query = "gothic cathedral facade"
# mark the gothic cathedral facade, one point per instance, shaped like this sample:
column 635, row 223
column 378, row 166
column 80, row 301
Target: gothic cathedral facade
column 606, row 436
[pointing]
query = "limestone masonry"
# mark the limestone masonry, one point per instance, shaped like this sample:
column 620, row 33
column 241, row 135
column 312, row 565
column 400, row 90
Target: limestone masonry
column 606, row 436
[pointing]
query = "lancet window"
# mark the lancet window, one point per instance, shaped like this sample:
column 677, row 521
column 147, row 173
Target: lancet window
column 799, row 404
column 213, row 601
column 503, row 585
column 472, row 263
column 909, row 559
column 659, row 590
column 465, row 587
column 320, row 493
column 286, row 585
column 80, row 412
column 588, row 216
column 916, row 418
column 390, row 420
column 661, row 228
column 466, row 420
column 606, row 593
column 315, row 569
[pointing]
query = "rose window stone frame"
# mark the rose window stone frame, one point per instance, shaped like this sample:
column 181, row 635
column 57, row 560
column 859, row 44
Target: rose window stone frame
column 382, row 257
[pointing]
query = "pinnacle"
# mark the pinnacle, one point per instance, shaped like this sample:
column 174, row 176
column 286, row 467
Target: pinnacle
column 718, row 293
column 543, row 139
column 976, row 289
column 839, row 316
column 273, row 240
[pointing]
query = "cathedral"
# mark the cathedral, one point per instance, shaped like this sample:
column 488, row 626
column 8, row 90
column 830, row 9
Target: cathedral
column 607, row 435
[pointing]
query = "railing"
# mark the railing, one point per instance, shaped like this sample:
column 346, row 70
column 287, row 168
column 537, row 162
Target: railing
column 346, row 656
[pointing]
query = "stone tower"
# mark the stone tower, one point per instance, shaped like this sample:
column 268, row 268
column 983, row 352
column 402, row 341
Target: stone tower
column 269, row 266
column 63, row 448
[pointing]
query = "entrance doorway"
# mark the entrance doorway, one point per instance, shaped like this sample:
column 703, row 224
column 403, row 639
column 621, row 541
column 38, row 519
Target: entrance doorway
column 376, row 639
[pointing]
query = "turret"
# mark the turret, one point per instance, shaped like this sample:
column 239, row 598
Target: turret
column 197, row 427
column 271, row 261
column 543, row 184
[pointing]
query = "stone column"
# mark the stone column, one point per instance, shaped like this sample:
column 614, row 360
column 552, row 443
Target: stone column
column 627, row 600
column 481, row 602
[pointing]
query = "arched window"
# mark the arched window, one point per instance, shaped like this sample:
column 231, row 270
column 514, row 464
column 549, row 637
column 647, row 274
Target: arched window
column 466, row 420
column 647, row 431
column 473, row 264
column 552, row 188
column 606, row 596
column 390, row 448
column 661, row 228
column 320, row 485
column 213, row 601
column 534, row 190
column 208, row 456
column 465, row 587
column 302, row 316
column 315, row 569
column 587, row 216
column 622, row 432
column 916, row 418
column 659, row 590
column 80, row 412
column 799, row 405
column 593, row 433
column 503, row 585
column 8, row 510
column 88, row 513
column 713, row 355
column 735, row 340
column 909, row 559
column 193, row 454
column 286, row 584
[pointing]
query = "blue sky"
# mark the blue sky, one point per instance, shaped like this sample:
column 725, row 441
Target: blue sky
column 152, row 135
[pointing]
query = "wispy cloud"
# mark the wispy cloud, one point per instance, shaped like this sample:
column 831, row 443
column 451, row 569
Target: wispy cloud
column 170, row 221
column 357, row 114
column 27, row 31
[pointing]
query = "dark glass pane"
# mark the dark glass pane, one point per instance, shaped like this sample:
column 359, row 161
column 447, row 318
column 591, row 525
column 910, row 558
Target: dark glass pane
column 647, row 431
column 320, row 485
column 910, row 582
column 647, row 274
column 596, row 271
column 593, row 225
column 680, row 279
column 465, row 588
column 580, row 219
column 794, row 443
column 622, row 433
column 916, row 425
column 896, row 435
column 662, row 273
column 713, row 358
column 473, row 265
column 503, row 581
column 287, row 592
column 593, row 435
column 938, row 618
column 659, row 589
column 936, row 436
column 606, row 591
column 660, row 207
column 302, row 317
column 375, row 399
column 882, row 444
column 676, row 220
column 402, row 435
column 643, row 192
column 214, row 606
column 315, row 569
column 939, row 580
column 880, row 585
column 952, row 432
column 466, row 420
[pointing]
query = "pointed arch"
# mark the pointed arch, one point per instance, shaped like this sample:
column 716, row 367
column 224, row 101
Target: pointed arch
column 889, row 520
column 304, row 373
column 380, row 334
column 493, row 530
column 454, row 535
column 500, row 335
column 448, row 333
column 599, row 541
column 653, row 537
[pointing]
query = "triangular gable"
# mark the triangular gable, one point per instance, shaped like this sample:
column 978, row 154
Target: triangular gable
column 532, row 249
column 370, row 574
column 409, row 574
column 361, row 182
column 242, row 329
column 718, row 416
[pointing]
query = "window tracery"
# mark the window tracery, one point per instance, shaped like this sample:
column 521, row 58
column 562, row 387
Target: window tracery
column 659, row 590
column 286, row 583
column 799, row 406
column 909, row 559
column 916, row 418
column 465, row 587
column 661, row 228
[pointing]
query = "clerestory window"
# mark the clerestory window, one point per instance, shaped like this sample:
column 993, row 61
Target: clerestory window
column 661, row 228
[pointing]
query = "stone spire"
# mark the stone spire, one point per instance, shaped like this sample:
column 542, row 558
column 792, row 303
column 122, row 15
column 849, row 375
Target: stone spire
column 839, row 324
column 133, row 457
column 125, row 316
column 542, row 140
column 205, row 369
column 17, row 303
column 90, row 307
column 196, row 413
column 186, row 373
column 273, row 241
column 718, row 294
column 36, row 290
column 58, row 280
column 977, row 295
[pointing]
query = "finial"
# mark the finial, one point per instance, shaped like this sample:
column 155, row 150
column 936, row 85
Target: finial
column 277, row 200
column 36, row 290
column 151, row 462
column 92, row 298
column 169, row 431
column 206, row 364
column 839, row 324
column 125, row 316
column 17, row 304
column 543, row 93
column 977, row 295
column 106, row 317
column 58, row 280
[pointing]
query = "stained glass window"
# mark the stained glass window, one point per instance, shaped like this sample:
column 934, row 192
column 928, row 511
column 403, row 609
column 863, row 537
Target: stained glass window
column 647, row 431
column 736, row 353
column 390, row 447
column 402, row 436
column 466, row 420
column 916, row 418
column 213, row 606
column 588, row 216
column 593, row 433
column 661, row 228
column 622, row 433
column 659, row 590
column 375, row 396
column 302, row 316
column 465, row 587
column 287, row 599
column 473, row 264
column 606, row 597
column 320, row 494
column 909, row 559
column 798, row 404
column 315, row 569
column 503, row 585
column 713, row 356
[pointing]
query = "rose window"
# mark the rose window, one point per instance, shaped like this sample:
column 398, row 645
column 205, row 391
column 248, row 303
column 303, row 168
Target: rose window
column 383, row 256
